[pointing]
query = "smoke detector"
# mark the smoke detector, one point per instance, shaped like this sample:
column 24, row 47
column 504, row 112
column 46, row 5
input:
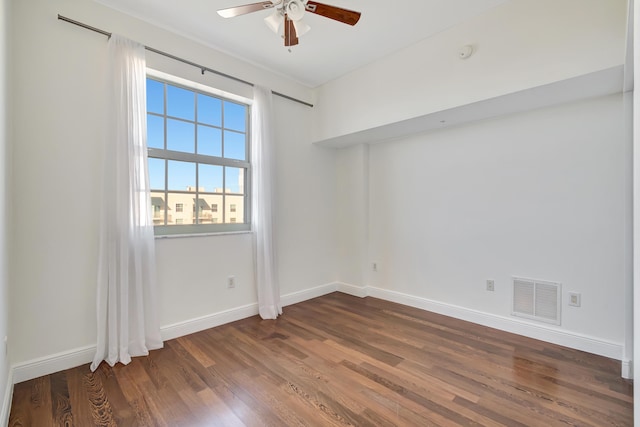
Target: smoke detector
column 465, row 51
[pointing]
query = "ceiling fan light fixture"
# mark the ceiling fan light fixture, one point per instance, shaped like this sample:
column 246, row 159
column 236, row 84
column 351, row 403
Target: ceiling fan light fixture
column 288, row 14
column 301, row 27
column 273, row 21
column 295, row 9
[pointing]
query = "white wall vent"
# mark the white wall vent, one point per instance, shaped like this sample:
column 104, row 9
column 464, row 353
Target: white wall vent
column 537, row 300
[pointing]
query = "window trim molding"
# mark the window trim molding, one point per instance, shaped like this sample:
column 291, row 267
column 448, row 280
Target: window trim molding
column 184, row 230
column 196, row 229
column 214, row 234
column 156, row 74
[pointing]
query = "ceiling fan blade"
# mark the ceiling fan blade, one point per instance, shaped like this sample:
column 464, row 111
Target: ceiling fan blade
column 290, row 36
column 244, row 9
column 332, row 12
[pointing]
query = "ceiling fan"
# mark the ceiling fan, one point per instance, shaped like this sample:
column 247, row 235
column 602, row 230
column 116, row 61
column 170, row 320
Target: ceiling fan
column 290, row 13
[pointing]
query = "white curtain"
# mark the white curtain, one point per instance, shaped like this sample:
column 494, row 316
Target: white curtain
column 262, row 216
column 126, row 303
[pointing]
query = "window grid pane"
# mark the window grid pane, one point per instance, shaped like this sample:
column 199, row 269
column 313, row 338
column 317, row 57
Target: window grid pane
column 194, row 137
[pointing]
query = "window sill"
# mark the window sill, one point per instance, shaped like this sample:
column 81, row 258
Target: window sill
column 222, row 233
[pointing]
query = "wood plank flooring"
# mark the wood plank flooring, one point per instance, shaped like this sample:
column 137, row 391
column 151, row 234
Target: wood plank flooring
column 338, row 360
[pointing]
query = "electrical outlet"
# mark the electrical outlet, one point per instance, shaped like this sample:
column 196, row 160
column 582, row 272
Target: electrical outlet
column 374, row 266
column 231, row 282
column 491, row 285
column 574, row 299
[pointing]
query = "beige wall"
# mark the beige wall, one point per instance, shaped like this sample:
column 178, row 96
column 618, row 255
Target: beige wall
column 58, row 119
column 5, row 380
column 326, row 200
column 519, row 45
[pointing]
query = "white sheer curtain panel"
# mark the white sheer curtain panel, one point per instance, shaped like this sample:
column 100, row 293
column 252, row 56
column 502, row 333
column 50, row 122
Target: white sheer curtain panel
column 126, row 304
column 262, row 217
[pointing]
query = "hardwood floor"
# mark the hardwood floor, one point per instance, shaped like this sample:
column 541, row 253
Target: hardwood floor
column 333, row 361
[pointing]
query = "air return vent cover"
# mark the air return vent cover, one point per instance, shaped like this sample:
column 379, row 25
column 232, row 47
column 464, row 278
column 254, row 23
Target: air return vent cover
column 537, row 300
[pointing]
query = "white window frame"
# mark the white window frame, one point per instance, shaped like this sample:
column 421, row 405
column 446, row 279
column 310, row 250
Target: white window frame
column 209, row 228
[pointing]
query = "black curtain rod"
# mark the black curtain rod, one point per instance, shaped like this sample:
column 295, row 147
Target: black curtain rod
column 185, row 61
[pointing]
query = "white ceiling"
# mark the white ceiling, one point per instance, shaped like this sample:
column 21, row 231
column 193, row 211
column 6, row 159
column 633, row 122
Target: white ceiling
column 328, row 51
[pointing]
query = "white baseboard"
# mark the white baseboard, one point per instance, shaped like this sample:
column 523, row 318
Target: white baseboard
column 518, row 326
column 307, row 294
column 191, row 326
column 53, row 363
column 5, row 409
column 70, row 359
column 356, row 291
column 627, row 369
column 58, row 362
column 198, row 324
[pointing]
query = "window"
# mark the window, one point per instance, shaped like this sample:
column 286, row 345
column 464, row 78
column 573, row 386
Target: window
column 198, row 159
